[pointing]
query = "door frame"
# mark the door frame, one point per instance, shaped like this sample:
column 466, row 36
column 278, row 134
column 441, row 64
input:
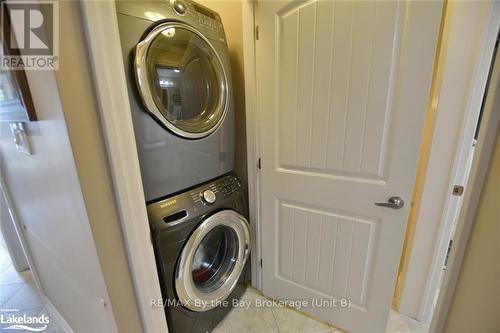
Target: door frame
column 448, row 154
column 248, row 10
column 490, row 128
column 483, row 151
column 117, row 128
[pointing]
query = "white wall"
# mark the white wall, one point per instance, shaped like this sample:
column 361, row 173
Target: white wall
column 63, row 195
column 48, row 200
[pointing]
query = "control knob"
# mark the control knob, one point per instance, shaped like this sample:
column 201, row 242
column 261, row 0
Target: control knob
column 208, row 197
column 179, row 6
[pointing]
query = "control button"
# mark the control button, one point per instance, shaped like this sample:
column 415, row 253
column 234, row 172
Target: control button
column 179, row 7
column 208, row 197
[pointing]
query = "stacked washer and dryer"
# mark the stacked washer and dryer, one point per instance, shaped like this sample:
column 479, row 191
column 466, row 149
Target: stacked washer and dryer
column 179, row 84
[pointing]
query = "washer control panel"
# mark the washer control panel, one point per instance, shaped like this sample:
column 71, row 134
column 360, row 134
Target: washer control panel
column 208, row 197
column 230, row 186
column 179, row 6
column 220, row 189
column 224, row 192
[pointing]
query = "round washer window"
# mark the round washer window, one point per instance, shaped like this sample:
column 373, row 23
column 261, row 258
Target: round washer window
column 214, row 259
column 181, row 80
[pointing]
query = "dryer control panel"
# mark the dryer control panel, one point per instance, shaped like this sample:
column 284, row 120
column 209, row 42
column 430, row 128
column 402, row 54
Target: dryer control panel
column 208, row 18
column 205, row 17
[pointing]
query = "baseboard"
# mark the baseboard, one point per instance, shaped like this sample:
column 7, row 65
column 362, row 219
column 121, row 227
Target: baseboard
column 55, row 314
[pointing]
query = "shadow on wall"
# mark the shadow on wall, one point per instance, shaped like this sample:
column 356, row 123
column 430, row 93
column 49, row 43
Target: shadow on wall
column 230, row 12
column 240, row 116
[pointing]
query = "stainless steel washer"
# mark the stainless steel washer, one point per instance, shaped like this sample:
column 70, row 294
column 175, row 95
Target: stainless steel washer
column 202, row 242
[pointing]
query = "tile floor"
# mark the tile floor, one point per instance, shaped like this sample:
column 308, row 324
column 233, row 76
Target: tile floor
column 18, row 291
column 19, row 296
column 279, row 320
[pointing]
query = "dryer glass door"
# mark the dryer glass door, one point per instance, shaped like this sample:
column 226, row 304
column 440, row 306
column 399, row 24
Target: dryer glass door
column 212, row 261
column 181, row 80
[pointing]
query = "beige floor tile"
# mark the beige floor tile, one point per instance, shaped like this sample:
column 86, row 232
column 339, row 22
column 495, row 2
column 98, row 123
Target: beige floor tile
column 240, row 320
column 8, row 290
column 25, row 298
column 223, row 326
column 249, row 297
column 252, row 294
column 4, row 267
column 4, row 257
column 399, row 323
column 11, row 276
column 289, row 320
column 286, row 320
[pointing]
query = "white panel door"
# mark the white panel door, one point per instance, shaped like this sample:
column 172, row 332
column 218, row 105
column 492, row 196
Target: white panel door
column 342, row 91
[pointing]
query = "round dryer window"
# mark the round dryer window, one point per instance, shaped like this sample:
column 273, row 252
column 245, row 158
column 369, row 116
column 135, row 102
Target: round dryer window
column 212, row 261
column 181, row 80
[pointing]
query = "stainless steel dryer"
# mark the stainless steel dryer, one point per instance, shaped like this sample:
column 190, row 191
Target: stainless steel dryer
column 179, row 84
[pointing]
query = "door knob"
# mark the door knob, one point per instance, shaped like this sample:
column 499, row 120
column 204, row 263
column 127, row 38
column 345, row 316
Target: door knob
column 393, row 202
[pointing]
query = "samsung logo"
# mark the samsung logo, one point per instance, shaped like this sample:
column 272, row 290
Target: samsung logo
column 168, row 203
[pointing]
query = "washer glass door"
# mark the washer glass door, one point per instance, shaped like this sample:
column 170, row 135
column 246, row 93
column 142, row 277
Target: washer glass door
column 181, row 80
column 212, row 261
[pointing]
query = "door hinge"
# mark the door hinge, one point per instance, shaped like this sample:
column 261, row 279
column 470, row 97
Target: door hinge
column 257, row 32
column 458, row 190
column 260, row 262
column 259, row 164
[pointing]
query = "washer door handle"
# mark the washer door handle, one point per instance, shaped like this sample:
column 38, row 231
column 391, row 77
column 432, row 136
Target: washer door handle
column 247, row 253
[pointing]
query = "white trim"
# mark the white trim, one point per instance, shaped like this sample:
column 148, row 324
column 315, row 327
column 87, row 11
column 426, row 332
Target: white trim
column 464, row 154
column 55, row 314
column 103, row 39
column 248, row 18
column 487, row 138
column 453, row 132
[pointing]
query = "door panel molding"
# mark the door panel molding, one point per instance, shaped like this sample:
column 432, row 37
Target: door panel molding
column 311, row 41
column 340, row 268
